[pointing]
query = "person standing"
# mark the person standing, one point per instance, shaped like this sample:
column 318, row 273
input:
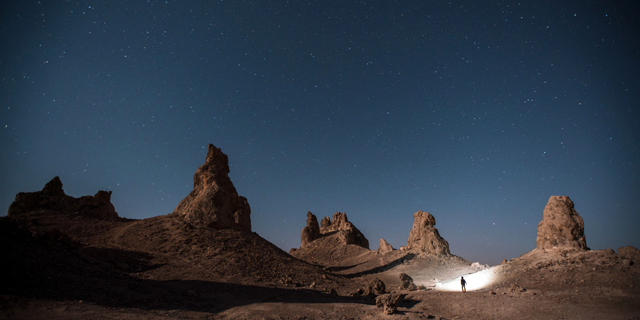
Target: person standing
column 464, row 284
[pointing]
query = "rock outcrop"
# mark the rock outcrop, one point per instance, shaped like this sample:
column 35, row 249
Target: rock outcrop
column 311, row 231
column 629, row 252
column 561, row 226
column 425, row 238
column 347, row 232
column 374, row 288
column 389, row 302
column 406, row 282
column 53, row 198
column 339, row 231
column 384, row 247
column 214, row 201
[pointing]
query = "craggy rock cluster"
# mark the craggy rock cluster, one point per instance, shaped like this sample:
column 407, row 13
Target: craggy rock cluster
column 53, row 198
column 214, row 202
column 384, row 247
column 346, row 231
column 424, row 237
column 561, row 226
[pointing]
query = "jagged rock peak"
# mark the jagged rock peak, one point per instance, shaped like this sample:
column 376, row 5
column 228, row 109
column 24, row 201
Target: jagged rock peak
column 311, row 231
column 346, row 232
column 424, row 237
column 340, row 222
column 214, row 201
column 53, row 198
column 53, row 187
column 561, row 226
column 384, row 247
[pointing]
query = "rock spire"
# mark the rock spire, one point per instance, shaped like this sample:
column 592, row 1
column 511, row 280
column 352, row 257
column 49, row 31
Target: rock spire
column 214, row 201
column 561, row 226
column 424, row 237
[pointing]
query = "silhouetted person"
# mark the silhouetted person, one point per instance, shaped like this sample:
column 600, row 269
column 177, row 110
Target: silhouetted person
column 464, row 284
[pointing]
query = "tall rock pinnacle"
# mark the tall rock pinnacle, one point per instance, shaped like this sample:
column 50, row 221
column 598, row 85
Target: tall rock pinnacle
column 214, row 201
column 561, row 225
column 424, row 237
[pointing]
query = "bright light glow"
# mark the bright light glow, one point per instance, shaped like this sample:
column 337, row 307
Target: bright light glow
column 475, row 281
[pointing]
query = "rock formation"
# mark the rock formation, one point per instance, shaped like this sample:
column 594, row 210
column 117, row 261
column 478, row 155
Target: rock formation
column 389, row 302
column 384, row 247
column 214, row 202
column 561, row 226
column 340, row 228
column 406, row 282
column 311, row 231
column 374, row 288
column 53, row 198
column 347, row 232
column 629, row 252
column 424, row 237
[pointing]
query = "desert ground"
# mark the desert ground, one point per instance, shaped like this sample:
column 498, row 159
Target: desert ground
column 68, row 266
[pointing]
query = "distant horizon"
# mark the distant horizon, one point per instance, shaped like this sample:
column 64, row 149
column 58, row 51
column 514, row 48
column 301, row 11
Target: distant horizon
column 373, row 244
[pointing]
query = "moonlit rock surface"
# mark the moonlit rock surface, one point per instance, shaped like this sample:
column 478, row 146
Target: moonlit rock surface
column 629, row 252
column 384, row 247
column 311, row 231
column 561, row 226
column 348, row 233
column 424, row 237
column 214, row 202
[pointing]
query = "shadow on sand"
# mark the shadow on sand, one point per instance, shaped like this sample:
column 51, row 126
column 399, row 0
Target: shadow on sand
column 383, row 268
column 45, row 269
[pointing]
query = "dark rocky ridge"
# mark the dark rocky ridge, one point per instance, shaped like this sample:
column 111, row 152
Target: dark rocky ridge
column 53, row 198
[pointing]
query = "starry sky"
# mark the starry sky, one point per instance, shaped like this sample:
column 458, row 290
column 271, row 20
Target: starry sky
column 474, row 111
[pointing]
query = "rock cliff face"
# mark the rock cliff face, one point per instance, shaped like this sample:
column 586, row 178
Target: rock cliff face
column 53, row 198
column 424, row 237
column 561, row 226
column 214, row 201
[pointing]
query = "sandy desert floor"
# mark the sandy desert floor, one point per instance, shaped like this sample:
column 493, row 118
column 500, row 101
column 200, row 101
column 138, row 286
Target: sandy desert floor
column 65, row 266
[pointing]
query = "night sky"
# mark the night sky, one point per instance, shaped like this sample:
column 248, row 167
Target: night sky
column 476, row 112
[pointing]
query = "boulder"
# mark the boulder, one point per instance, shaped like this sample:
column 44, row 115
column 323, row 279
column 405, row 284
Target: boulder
column 214, row 201
column 375, row 287
column 561, row 226
column 407, row 282
column 53, row 198
column 389, row 302
column 425, row 238
column 311, row 231
column 629, row 252
column 384, row 247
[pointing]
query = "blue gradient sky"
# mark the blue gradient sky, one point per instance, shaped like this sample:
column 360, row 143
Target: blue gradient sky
column 474, row 112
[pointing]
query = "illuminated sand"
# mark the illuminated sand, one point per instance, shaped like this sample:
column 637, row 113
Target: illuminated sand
column 475, row 281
